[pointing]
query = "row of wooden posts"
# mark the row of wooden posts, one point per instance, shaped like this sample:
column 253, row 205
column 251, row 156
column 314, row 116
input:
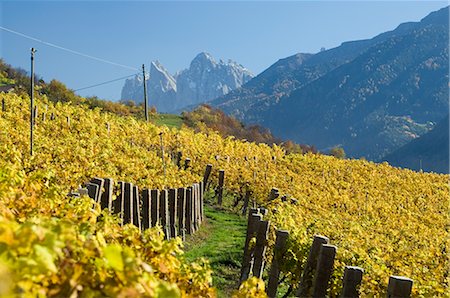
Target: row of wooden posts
column 317, row 270
column 179, row 211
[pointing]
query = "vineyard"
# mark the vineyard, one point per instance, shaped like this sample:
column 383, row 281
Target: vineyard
column 386, row 220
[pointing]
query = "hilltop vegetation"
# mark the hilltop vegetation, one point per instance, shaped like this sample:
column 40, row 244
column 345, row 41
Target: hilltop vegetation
column 429, row 152
column 384, row 219
column 206, row 118
column 57, row 91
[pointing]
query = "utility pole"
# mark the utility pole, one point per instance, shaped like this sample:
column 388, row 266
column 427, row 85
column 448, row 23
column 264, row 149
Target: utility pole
column 145, row 94
column 33, row 50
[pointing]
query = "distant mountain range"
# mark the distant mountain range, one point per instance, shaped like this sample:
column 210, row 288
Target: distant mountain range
column 204, row 80
column 370, row 96
column 429, row 152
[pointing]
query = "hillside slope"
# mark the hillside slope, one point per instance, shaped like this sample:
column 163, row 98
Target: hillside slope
column 429, row 152
column 384, row 219
column 370, row 96
column 294, row 72
column 376, row 103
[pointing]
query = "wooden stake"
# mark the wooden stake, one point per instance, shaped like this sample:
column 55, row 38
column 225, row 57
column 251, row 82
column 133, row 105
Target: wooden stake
column 311, row 264
column 278, row 253
column 260, row 248
column 323, row 270
column 206, row 176
column 399, row 287
column 252, row 225
column 164, row 213
column 128, row 204
column 136, row 208
column 220, row 187
column 181, row 204
column 154, row 207
column 107, row 195
column 173, row 212
column 146, row 209
column 351, row 282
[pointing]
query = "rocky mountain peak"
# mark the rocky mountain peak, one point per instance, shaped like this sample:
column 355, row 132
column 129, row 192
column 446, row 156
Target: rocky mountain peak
column 204, row 80
column 204, row 57
column 159, row 76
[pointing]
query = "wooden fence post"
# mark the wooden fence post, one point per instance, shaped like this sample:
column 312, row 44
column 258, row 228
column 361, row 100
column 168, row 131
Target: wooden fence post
column 278, row 253
column 198, row 217
column 189, row 205
column 220, row 187
column 100, row 183
column 260, row 248
column 323, row 270
column 178, row 159
column 194, row 207
column 106, row 196
column 206, row 176
column 118, row 202
column 187, row 163
column 252, row 225
column 128, row 204
column 164, row 213
column 202, row 188
column 351, row 281
column 274, row 193
column 92, row 190
column 154, row 207
column 311, row 263
column 43, row 116
column 136, row 208
column 246, row 201
column 3, row 105
column 173, row 212
column 181, row 204
column 193, row 203
column 146, row 209
column 399, row 287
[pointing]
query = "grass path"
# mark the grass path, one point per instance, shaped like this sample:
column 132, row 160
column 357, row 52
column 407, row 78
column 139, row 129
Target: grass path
column 169, row 120
column 220, row 239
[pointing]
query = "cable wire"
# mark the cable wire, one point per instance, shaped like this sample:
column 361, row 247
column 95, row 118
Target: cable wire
column 68, row 50
column 107, row 82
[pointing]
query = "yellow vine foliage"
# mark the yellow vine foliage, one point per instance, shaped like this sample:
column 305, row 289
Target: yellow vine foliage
column 53, row 245
column 251, row 288
column 387, row 220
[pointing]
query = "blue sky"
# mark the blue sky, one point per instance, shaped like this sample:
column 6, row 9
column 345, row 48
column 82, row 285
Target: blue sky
column 253, row 33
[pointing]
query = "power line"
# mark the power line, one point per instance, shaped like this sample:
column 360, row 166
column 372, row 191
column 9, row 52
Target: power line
column 107, row 82
column 68, row 50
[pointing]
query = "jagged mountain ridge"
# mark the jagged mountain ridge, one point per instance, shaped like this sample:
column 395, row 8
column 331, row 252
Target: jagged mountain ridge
column 370, row 96
column 294, row 72
column 204, row 80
